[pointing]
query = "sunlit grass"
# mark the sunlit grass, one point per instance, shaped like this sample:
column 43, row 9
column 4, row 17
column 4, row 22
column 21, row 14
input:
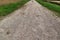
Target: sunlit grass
column 8, row 8
column 53, row 7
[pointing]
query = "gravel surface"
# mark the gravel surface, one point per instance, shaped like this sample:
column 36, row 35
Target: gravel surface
column 31, row 22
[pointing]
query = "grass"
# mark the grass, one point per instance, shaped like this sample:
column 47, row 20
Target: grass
column 8, row 8
column 50, row 6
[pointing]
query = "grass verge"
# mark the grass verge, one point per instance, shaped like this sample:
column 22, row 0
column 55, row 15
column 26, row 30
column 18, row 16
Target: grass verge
column 50, row 6
column 8, row 8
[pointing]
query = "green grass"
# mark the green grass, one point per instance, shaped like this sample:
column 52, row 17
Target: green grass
column 50, row 6
column 8, row 8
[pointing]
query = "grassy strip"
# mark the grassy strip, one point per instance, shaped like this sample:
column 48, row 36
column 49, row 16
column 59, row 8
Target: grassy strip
column 8, row 8
column 50, row 6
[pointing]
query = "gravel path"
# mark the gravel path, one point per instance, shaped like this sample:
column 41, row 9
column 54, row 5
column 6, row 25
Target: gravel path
column 31, row 22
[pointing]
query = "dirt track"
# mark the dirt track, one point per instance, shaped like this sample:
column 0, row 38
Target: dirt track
column 31, row 22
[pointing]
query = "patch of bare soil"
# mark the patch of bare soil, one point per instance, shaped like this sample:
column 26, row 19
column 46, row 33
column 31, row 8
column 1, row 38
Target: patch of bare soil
column 7, row 1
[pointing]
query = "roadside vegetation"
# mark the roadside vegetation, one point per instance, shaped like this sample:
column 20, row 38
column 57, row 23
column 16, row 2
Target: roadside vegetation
column 8, row 8
column 51, row 6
